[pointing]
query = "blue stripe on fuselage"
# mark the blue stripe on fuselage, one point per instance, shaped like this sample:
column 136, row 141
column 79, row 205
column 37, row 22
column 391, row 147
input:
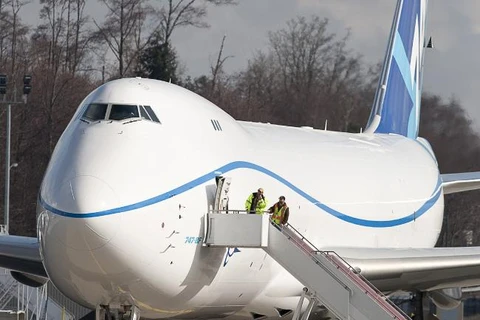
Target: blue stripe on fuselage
column 248, row 165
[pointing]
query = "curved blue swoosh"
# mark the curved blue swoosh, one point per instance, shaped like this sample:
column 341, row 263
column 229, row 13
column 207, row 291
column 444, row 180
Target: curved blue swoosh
column 248, row 165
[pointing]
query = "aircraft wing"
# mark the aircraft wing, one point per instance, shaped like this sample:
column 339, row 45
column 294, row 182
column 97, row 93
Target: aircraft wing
column 21, row 254
column 421, row 269
column 458, row 182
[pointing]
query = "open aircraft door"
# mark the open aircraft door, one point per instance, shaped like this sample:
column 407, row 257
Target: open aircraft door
column 221, row 195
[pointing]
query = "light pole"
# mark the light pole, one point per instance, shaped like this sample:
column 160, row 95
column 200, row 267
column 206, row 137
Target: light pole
column 3, row 90
column 6, row 203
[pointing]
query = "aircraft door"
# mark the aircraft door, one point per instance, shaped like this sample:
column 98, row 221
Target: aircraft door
column 221, row 195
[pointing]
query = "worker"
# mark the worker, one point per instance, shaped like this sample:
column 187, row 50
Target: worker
column 280, row 211
column 256, row 202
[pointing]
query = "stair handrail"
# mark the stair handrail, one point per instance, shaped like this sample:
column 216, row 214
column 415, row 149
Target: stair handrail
column 229, row 211
column 351, row 272
column 357, row 273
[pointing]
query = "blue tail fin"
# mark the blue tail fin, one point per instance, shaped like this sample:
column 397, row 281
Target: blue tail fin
column 396, row 108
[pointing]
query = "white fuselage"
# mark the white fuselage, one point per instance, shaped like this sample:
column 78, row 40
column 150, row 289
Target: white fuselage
column 122, row 203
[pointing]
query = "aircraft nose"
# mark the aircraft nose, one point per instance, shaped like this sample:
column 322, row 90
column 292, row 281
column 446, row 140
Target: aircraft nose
column 78, row 206
column 85, row 194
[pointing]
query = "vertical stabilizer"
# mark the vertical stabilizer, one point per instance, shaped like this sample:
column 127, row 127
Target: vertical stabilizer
column 396, row 108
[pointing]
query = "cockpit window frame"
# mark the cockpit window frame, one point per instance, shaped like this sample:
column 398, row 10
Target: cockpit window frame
column 142, row 110
column 151, row 114
column 146, row 109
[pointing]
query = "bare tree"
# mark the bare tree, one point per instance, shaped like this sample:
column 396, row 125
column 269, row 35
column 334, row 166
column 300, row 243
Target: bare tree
column 306, row 77
column 56, row 50
column 257, row 92
column 77, row 37
column 316, row 70
column 54, row 27
column 80, row 40
column 184, row 13
column 11, row 29
column 217, row 69
column 122, row 31
column 18, row 30
column 4, row 17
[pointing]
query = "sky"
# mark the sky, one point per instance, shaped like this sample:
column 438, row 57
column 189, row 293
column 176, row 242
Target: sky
column 451, row 67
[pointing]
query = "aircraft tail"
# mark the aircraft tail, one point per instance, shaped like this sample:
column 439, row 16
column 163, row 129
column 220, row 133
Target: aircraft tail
column 396, row 108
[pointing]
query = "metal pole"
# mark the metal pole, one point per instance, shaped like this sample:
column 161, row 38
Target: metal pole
column 18, row 300
column 37, row 309
column 298, row 310
column 311, row 305
column 7, row 172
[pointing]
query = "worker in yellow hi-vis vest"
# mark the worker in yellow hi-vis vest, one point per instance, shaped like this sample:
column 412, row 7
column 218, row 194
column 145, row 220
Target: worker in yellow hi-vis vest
column 280, row 211
column 256, row 202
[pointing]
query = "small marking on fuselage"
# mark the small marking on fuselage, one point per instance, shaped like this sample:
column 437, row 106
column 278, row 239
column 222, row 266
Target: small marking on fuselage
column 194, row 240
column 229, row 254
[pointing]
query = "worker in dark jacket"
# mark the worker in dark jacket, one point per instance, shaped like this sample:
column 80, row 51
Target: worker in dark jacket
column 280, row 211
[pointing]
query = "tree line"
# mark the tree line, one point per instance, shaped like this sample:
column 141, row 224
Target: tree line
column 307, row 76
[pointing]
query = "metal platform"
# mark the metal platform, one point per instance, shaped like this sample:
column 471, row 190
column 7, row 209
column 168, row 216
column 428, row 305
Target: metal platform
column 329, row 280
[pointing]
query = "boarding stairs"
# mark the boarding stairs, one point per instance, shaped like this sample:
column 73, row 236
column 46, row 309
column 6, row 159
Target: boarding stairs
column 328, row 279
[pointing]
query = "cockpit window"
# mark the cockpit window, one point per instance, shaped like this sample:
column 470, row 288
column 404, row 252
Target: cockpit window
column 122, row 112
column 95, row 112
column 144, row 113
column 151, row 114
column 119, row 112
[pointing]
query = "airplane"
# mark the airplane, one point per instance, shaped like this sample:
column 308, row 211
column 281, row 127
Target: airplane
column 121, row 205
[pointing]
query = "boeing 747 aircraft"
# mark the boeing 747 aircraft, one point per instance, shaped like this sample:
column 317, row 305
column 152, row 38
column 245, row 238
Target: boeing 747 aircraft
column 121, row 206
